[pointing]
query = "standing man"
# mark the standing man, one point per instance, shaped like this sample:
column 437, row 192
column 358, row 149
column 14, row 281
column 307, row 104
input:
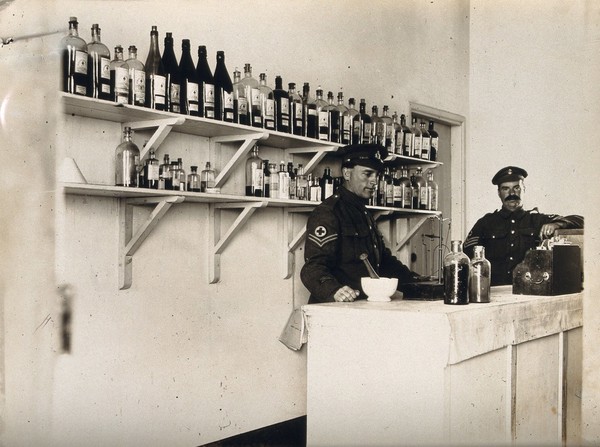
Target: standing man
column 508, row 233
column 341, row 228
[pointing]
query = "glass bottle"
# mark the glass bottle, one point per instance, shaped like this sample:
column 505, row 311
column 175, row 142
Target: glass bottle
column 206, row 85
column 274, row 181
column 119, row 78
column 314, row 188
column 387, row 140
column 425, row 141
column 165, row 178
column 348, row 122
column 127, row 158
column 282, row 107
column 240, row 102
column 98, row 66
column 326, row 184
column 292, row 176
column 137, row 79
column 207, row 178
column 189, row 91
column 296, row 110
column 284, row 181
column 432, row 192
column 419, row 190
column 456, row 275
column 193, row 180
column 310, row 112
column 156, row 81
column 151, row 171
column 253, row 96
column 407, row 191
column 301, row 184
column 322, row 116
column 361, row 125
column 342, row 109
column 267, row 103
column 397, row 188
column 254, row 174
column 333, row 119
column 405, row 138
column 224, row 109
column 74, row 61
column 377, row 130
column 181, row 175
column 479, row 277
column 172, row 77
column 175, row 176
column 381, row 190
column 433, row 150
column 416, row 138
column 266, row 179
column 389, row 188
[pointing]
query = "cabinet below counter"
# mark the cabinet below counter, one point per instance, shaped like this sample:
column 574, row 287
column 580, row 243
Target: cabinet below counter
column 425, row 373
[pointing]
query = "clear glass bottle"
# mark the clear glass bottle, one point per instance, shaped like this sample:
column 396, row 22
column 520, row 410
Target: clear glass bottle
column 416, row 139
column 127, row 156
column 224, row 109
column 292, row 176
column 165, row 178
column 377, row 130
column 137, row 79
column 254, row 174
column 314, row 188
column 206, row 85
column 322, row 116
column 310, row 113
column 189, row 92
column 387, row 139
column 361, row 125
column 296, row 110
column 333, row 119
column 301, row 184
column 207, row 177
column 253, row 96
column 151, row 171
column 432, row 192
column 267, row 103
column 456, row 275
column 425, row 141
column 274, row 181
column 74, row 59
column 479, row 277
column 342, row 109
column 326, row 184
column 266, row 179
column 119, row 78
column 240, row 102
column 433, row 150
column 172, row 77
column 419, row 190
column 175, row 176
column 284, row 181
column 348, row 122
column 282, row 107
column 193, row 180
column 181, row 177
column 407, row 191
column 156, row 82
column 98, row 66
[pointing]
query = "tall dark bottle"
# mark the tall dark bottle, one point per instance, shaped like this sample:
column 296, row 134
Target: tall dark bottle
column 282, row 106
column 74, row 61
column 172, row 77
column 361, row 126
column 433, row 150
column 224, row 109
column 310, row 113
column 155, row 75
column 98, row 66
column 206, row 85
column 189, row 81
column 296, row 110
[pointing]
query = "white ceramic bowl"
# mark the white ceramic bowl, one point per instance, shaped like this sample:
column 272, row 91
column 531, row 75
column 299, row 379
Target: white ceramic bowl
column 380, row 289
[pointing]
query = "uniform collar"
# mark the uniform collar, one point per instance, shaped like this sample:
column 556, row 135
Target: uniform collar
column 348, row 195
column 519, row 213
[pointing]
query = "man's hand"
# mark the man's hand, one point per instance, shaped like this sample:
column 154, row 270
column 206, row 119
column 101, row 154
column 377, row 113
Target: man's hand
column 548, row 229
column 346, row 293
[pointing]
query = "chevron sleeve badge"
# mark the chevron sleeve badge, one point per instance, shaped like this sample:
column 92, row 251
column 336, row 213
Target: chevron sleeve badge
column 320, row 236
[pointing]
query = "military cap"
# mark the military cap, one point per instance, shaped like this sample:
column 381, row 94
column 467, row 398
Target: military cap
column 509, row 174
column 369, row 155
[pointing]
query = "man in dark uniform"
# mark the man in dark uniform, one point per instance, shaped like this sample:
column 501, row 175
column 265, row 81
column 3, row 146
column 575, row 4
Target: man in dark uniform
column 341, row 228
column 508, row 233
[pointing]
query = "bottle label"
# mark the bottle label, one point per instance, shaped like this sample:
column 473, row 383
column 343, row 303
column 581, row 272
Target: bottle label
column 323, row 118
column 284, row 186
column 433, row 199
column 422, row 196
column 397, row 193
column 407, row 194
column 152, row 172
column 209, row 95
column 389, row 194
column 328, row 189
column 192, row 92
column 138, row 82
column 105, row 68
column 367, row 133
column 255, row 97
column 425, row 148
column 269, row 110
column 227, row 100
column 81, row 62
column 257, row 177
column 175, row 97
column 399, row 140
column 416, row 148
column 121, row 81
column 285, row 106
column 434, row 142
column 158, row 85
column 242, row 106
column 312, row 111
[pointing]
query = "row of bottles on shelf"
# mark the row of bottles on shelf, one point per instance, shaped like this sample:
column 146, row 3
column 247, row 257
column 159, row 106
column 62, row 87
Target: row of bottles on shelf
column 394, row 188
column 466, row 280
column 192, row 89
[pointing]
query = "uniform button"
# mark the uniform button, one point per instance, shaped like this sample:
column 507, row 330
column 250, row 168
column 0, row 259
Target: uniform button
column 511, row 258
column 512, row 245
column 513, row 221
column 512, row 232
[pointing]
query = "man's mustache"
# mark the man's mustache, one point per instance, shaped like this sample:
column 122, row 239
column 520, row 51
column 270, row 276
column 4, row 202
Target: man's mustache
column 512, row 197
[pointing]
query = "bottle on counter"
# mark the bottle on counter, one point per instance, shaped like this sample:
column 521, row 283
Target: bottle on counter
column 310, row 113
column 433, row 151
column 206, row 85
column 98, row 66
column 282, row 107
column 119, row 78
column 156, row 82
column 224, row 108
column 193, row 180
column 296, row 110
column 240, row 101
column 74, row 61
column 207, row 178
column 127, row 156
column 254, row 174
column 479, row 277
column 137, row 78
column 253, row 96
column 267, row 102
column 151, row 171
column 165, row 177
column 425, row 141
column 172, row 77
column 456, row 275
column 189, row 92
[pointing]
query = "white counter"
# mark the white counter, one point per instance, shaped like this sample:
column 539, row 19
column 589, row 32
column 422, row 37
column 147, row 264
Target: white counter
column 418, row 372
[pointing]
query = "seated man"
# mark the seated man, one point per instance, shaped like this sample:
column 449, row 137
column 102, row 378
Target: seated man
column 341, row 228
column 508, row 233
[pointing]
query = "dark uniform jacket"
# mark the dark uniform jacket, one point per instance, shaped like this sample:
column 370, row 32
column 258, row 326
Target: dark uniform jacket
column 508, row 235
column 338, row 231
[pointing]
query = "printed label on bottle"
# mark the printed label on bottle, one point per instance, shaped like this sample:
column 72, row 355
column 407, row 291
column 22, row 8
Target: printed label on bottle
column 425, row 148
column 192, row 93
column 105, row 68
column 152, row 172
column 257, row 177
column 407, row 196
column 255, row 97
column 139, row 86
column 423, row 196
column 121, row 80
column 416, row 148
column 269, row 111
column 298, row 112
column 175, row 97
column 433, row 199
column 209, row 95
column 312, row 111
column 399, row 140
column 285, row 106
column 81, row 62
column 328, row 189
column 367, row 133
column 242, row 106
column 323, row 118
column 227, row 100
column 159, row 88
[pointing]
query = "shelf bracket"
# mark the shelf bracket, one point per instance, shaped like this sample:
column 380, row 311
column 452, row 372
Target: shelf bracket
column 248, row 142
column 129, row 242
column 398, row 246
column 163, row 127
column 291, row 244
column 319, row 154
column 218, row 243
